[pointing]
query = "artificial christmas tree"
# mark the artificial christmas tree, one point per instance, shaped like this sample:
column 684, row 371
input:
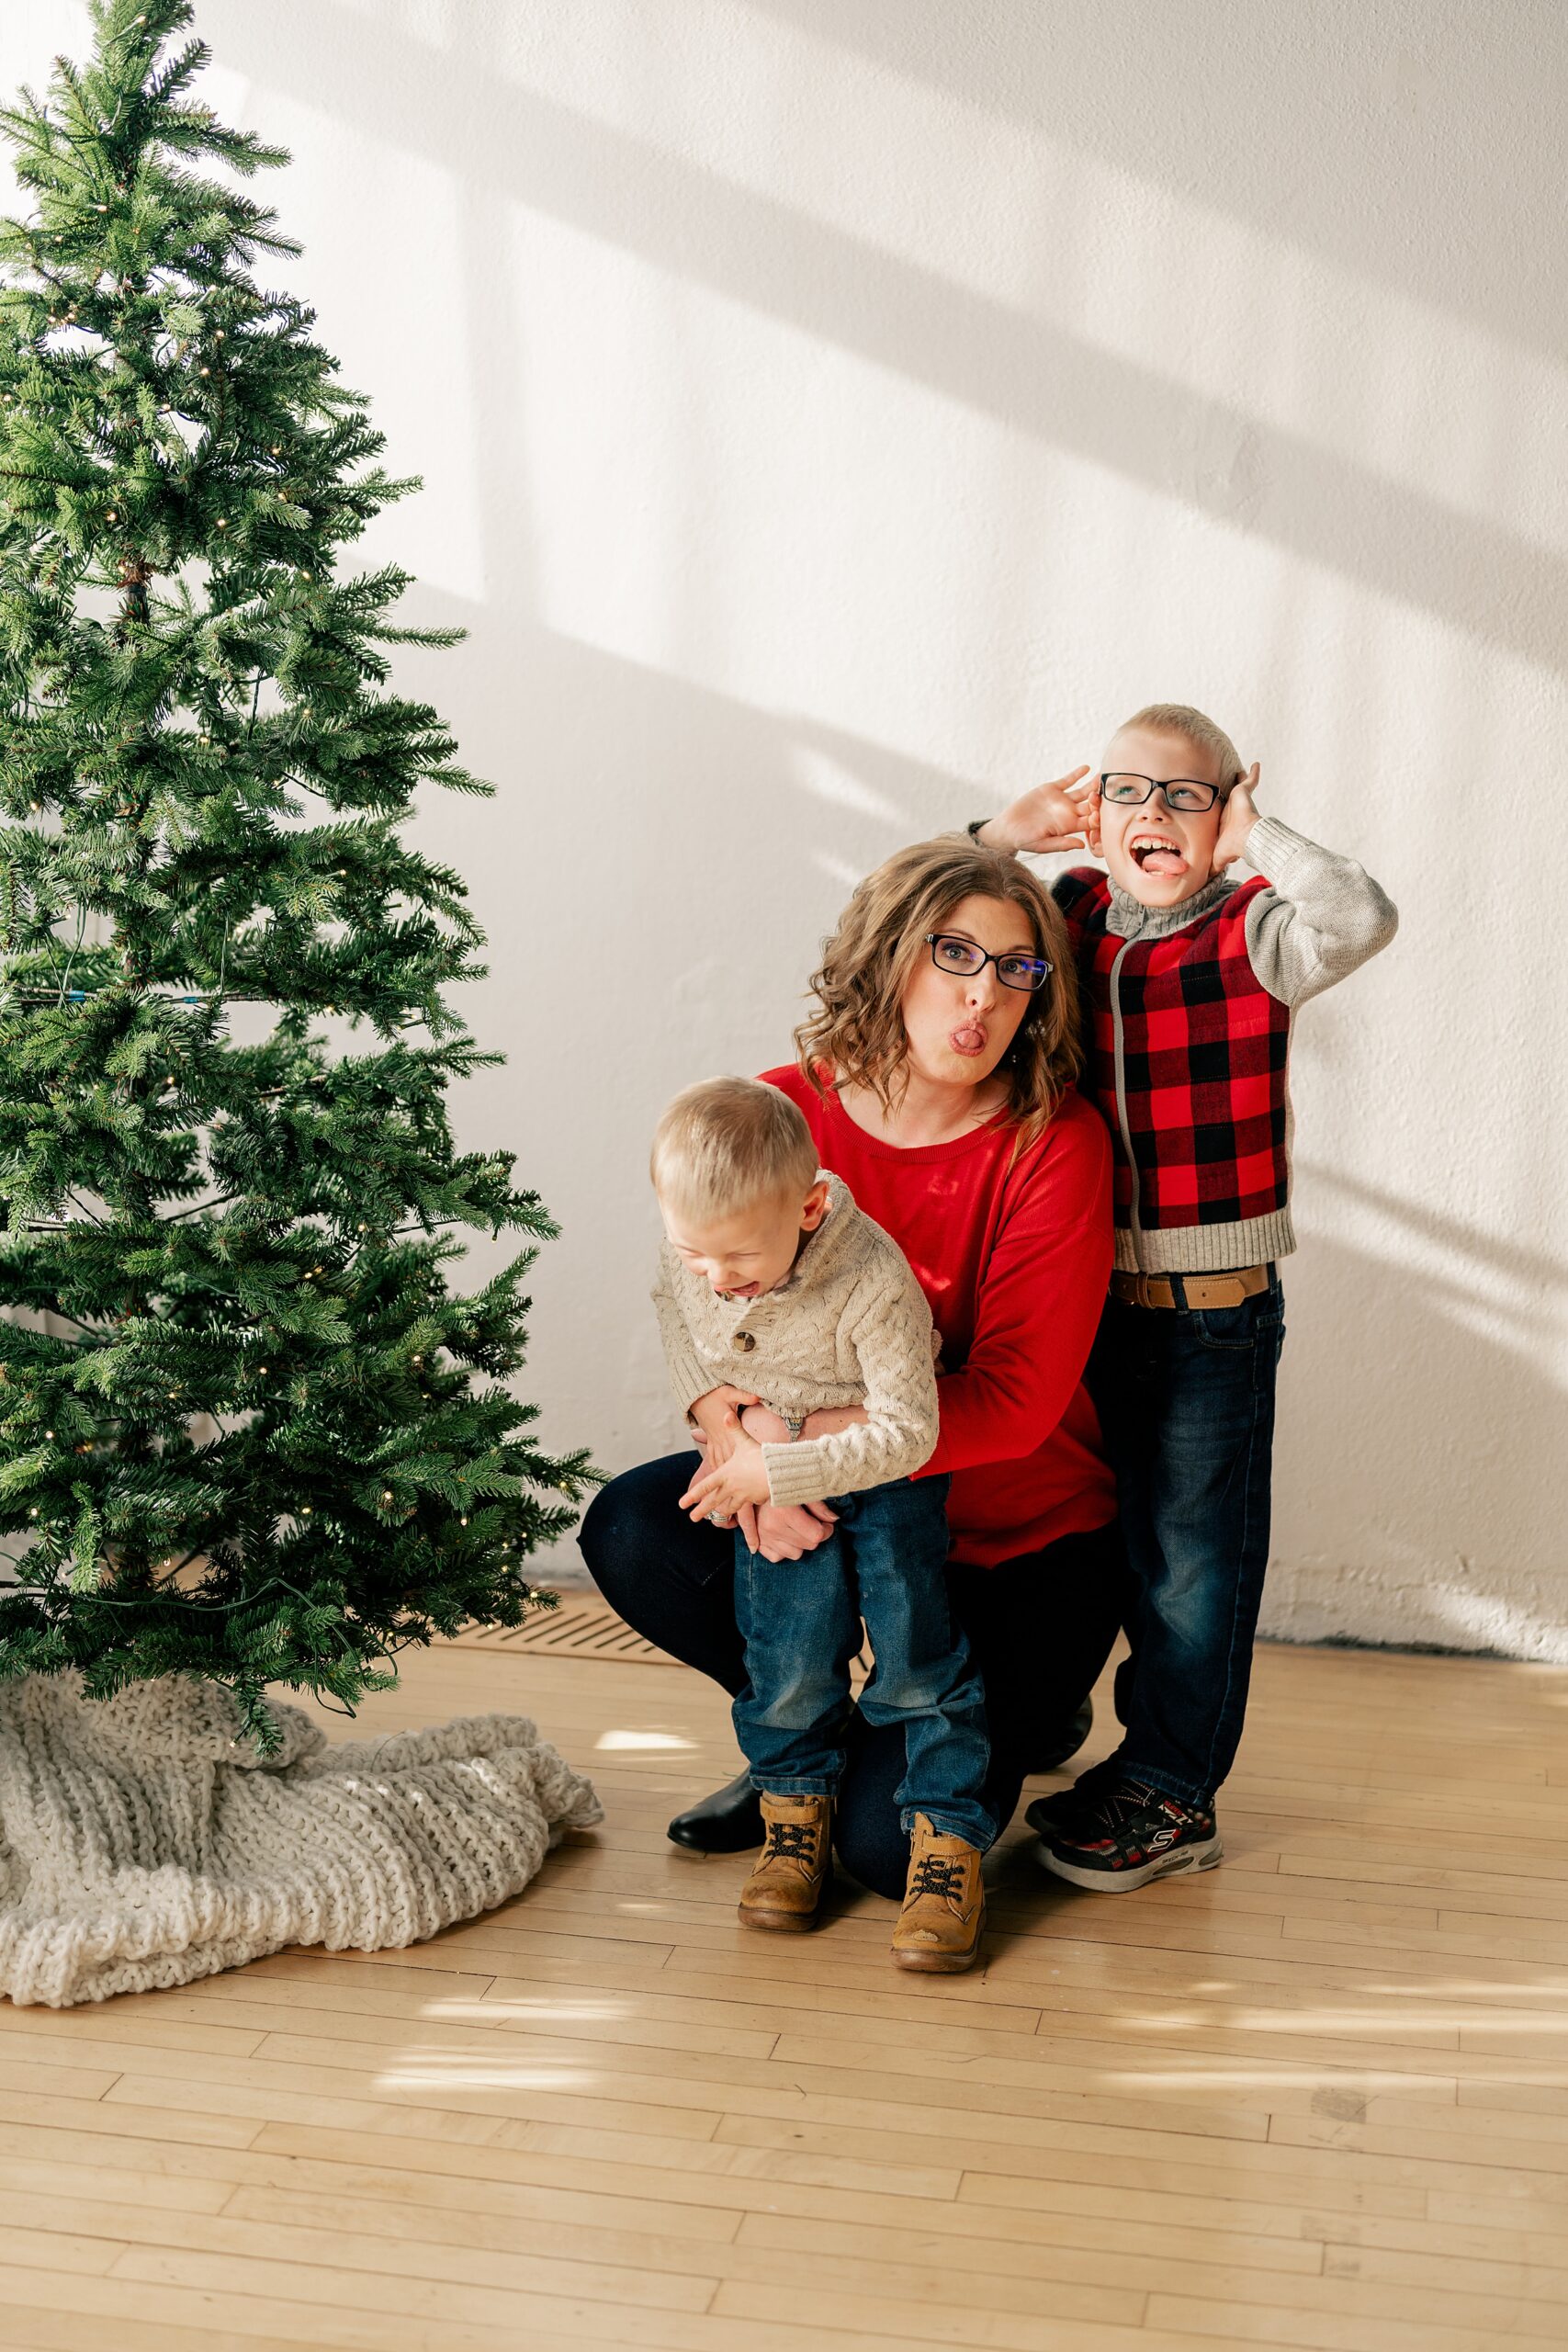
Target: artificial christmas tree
column 247, row 1432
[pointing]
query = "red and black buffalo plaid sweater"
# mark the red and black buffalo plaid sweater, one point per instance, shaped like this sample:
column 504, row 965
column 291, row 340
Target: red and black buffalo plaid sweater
column 1188, row 1012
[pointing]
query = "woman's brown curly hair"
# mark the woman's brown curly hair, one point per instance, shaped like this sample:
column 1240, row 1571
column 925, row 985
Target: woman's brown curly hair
column 857, row 1031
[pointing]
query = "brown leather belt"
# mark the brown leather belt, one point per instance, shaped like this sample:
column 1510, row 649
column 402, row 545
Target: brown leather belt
column 1196, row 1290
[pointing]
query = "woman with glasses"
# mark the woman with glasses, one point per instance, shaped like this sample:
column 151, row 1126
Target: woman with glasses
column 936, row 1074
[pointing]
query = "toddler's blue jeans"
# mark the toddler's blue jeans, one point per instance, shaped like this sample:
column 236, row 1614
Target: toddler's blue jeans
column 1186, row 1401
column 801, row 1623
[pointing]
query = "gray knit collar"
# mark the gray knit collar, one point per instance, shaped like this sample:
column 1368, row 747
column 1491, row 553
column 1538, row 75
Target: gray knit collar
column 1129, row 918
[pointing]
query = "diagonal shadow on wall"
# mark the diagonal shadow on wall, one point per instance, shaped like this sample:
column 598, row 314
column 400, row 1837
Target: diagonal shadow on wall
column 1036, row 378
column 708, row 764
column 1298, row 132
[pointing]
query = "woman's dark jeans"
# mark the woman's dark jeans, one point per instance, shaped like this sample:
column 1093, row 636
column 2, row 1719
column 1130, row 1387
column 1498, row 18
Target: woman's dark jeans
column 1040, row 1628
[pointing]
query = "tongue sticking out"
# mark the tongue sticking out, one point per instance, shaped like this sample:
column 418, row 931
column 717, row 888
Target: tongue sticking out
column 1156, row 859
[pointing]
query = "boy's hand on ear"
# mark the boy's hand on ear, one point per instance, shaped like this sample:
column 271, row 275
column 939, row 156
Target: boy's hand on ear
column 1050, row 817
column 1241, row 815
column 1092, row 819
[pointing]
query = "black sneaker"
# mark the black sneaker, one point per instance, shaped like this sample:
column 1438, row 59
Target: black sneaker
column 1066, row 1808
column 1132, row 1835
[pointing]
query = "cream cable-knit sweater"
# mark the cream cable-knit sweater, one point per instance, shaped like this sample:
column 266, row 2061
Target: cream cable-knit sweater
column 144, row 1843
column 850, row 1326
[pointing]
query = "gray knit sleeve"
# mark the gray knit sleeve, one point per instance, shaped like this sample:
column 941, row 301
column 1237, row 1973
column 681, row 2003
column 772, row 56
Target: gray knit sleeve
column 892, row 1338
column 1321, row 917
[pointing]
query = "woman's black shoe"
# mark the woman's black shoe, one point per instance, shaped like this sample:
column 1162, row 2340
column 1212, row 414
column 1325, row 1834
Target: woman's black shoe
column 1065, row 1741
column 726, row 1823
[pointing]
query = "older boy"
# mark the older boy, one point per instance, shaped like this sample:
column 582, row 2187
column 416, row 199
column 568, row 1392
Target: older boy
column 1191, row 981
column 769, row 1268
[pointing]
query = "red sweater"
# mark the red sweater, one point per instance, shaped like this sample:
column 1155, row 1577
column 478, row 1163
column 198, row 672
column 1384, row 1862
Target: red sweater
column 1014, row 1257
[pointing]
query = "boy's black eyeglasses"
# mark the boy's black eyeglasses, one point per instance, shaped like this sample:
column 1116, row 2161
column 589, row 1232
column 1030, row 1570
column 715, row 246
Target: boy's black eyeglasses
column 950, row 953
column 1184, row 794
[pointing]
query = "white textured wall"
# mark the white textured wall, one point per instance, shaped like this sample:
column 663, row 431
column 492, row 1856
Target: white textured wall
column 835, row 414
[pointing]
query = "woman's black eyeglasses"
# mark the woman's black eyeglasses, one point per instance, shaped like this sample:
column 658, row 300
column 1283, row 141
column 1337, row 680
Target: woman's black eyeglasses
column 1183, row 792
column 950, row 953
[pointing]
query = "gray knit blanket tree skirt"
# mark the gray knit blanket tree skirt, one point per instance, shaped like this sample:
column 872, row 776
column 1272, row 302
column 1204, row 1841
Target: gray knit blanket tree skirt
column 143, row 1842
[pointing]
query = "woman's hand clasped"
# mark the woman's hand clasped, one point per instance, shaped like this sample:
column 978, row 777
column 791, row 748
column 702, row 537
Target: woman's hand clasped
column 716, row 1421
column 722, row 1489
column 788, row 1531
column 728, row 1419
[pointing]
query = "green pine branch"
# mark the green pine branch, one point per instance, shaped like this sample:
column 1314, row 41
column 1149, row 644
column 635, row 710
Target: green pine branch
column 247, row 1427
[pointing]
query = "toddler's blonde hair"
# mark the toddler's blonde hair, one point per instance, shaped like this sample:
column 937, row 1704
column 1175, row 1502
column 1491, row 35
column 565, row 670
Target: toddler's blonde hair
column 729, row 1142
column 1201, row 733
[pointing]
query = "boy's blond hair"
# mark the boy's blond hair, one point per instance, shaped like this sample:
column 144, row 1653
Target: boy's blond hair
column 1201, row 733
column 729, row 1142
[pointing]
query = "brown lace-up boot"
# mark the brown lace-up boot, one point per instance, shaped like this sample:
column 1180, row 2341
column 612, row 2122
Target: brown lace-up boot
column 785, row 1888
column 945, row 1904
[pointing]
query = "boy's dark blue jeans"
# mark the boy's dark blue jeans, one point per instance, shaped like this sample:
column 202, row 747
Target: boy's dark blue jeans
column 800, row 1621
column 1185, row 1397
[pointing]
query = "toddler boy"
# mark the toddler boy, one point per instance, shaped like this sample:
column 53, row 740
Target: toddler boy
column 770, row 1272
column 1190, row 983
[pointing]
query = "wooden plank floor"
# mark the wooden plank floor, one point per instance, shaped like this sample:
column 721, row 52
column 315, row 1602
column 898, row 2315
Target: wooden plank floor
column 1316, row 2098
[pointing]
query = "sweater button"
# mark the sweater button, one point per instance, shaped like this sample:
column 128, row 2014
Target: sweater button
column 743, row 1343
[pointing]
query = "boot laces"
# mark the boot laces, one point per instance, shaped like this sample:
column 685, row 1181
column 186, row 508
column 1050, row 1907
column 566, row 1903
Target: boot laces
column 936, row 1876
column 791, row 1840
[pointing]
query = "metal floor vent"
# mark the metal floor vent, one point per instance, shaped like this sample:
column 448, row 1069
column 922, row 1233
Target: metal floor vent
column 575, row 1629
column 592, row 1629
